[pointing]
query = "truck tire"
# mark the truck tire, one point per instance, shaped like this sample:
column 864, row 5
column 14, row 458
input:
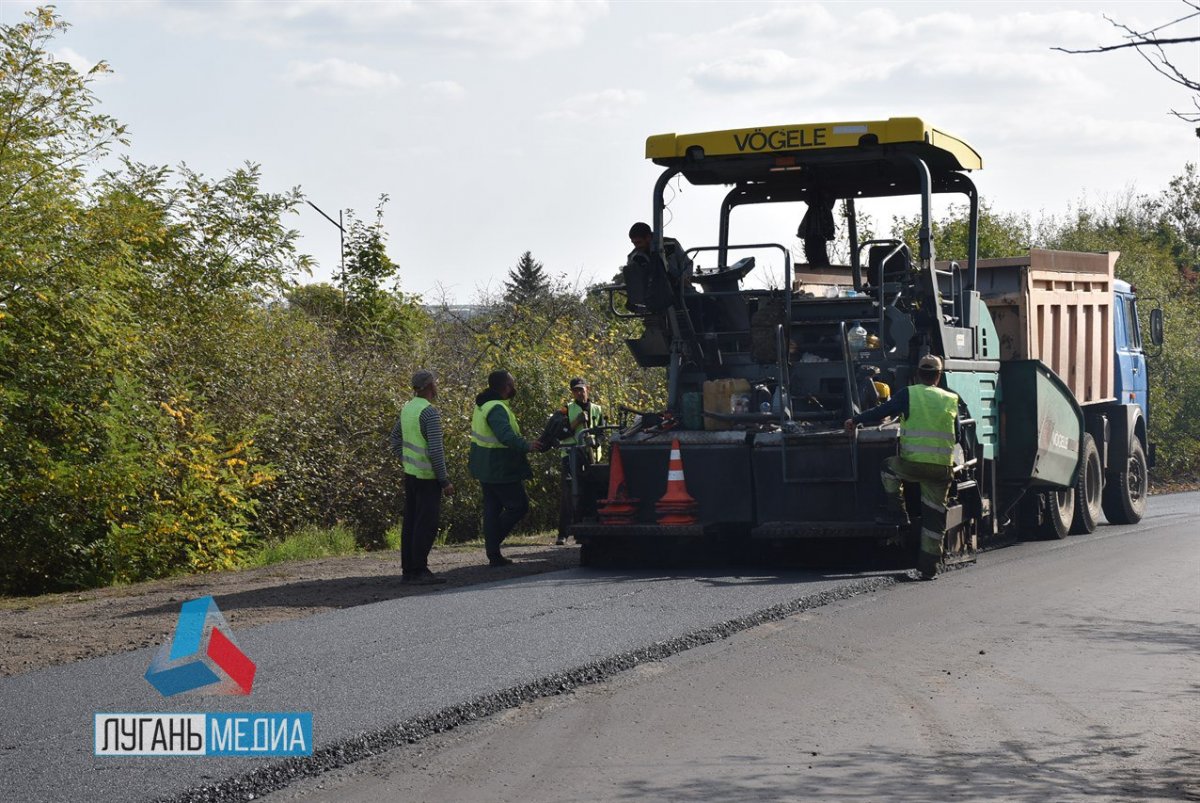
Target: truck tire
column 1057, row 515
column 1088, row 487
column 1124, row 498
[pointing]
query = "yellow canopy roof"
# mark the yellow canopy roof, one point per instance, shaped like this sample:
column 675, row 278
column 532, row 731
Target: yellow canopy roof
column 909, row 134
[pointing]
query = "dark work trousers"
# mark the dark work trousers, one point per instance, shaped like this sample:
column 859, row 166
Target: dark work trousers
column 422, row 504
column 504, row 504
column 566, row 500
column 566, row 507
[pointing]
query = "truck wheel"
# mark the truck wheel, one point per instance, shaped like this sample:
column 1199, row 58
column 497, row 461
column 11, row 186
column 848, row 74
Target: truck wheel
column 1058, row 514
column 1088, row 487
column 1124, row 498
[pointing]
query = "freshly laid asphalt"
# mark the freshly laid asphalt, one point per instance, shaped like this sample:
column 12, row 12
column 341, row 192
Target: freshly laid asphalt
column 383, row 674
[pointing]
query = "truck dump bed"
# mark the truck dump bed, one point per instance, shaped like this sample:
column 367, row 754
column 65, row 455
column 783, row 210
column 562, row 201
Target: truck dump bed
column 1057, row 307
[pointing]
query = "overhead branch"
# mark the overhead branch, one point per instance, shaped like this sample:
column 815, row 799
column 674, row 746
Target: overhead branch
column 1139, row 43
column 1150, row 47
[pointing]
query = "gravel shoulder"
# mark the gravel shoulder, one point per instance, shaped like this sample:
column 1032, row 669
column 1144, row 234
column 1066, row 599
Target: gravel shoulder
column 37, row 632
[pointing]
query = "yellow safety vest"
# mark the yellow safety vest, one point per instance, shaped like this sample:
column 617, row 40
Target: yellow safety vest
column 416, row 450
column 481, row 431
column 590, row 419
column 927, row 433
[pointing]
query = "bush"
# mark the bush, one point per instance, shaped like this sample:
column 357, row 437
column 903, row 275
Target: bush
column 187, row 503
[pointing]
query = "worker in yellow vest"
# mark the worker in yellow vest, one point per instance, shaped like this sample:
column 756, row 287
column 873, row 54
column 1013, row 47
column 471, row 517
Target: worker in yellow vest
column 498, row 460
column 417, row 441
column 928, row 434
column 582, row 413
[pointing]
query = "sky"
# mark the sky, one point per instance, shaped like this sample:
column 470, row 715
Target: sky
column 497, row 128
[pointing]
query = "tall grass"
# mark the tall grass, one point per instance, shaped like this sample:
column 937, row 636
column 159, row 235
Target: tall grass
column 308, row 543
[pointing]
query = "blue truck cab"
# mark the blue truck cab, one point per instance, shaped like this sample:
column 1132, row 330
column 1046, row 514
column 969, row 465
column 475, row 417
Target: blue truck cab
column 1129, row 385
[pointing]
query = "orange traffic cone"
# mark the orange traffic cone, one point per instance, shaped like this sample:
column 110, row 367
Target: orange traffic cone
column 677, row 507
column 618, row 508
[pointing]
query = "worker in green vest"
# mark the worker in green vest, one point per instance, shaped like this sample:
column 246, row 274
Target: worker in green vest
column 498, row 460
column 928, row 434
column 582, row 414
column 417, row 441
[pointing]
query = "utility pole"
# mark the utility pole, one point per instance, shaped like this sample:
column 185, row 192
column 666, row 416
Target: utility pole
column 341, row 245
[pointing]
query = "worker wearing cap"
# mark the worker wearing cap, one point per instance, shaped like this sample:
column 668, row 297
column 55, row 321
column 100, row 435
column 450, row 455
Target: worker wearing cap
column 928, row 434
column 582, row 414
column 417, row 440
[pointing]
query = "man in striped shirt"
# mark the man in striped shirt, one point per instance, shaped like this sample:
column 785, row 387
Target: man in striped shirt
column 417, row 441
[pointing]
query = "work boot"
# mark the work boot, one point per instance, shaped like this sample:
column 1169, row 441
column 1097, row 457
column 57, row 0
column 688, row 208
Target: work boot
column 561, row 541
column 927, row 565
column 427, row 578
column 499, row 560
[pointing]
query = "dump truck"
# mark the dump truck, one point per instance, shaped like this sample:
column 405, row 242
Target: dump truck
column 748, row 457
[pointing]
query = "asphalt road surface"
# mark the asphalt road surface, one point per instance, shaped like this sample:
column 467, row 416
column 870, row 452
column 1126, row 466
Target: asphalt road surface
column 1048, row 672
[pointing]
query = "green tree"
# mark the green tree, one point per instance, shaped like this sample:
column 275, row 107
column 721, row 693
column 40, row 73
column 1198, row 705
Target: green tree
column 1001, row 234
column 141, row 289
column 66, row 331
column 375, row 311
column 1180, row 205
column 320, row 302
column 186, row 502
column 1154, row 260
column 527, row 281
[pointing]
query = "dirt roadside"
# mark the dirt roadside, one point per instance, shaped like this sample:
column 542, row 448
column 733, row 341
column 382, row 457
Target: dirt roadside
column 36, row 632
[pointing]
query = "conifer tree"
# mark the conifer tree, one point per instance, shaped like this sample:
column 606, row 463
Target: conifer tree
column 527, row 281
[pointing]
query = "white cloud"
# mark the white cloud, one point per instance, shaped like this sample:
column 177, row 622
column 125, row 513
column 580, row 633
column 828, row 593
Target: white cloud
column 519, row 30
column 762, row 68
column 789, row 24
column 511, row 29
column 607, row 104
column 336, row 75
column 790, row 21
column 1088, row 135
column 1064, row 28
column 777, row 73
column 981, row 73
column 882, row 54
column 447, row 90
